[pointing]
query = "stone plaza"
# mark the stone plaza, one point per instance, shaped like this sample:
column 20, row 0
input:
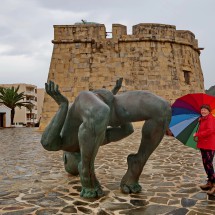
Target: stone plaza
column 33, row 181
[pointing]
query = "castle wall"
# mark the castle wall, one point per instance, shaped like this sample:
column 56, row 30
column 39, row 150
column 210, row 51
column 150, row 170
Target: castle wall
column 154, row 57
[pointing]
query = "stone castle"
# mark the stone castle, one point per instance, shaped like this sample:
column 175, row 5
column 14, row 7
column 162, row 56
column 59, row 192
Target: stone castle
column 154, row 57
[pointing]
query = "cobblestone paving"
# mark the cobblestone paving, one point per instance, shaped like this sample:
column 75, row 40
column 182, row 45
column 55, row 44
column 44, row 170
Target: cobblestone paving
column 33, row 181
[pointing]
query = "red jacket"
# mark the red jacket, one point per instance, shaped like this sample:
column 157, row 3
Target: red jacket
column 206, row 132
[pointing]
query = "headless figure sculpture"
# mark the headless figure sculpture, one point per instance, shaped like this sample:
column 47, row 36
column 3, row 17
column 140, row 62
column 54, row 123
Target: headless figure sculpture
column 99, row 117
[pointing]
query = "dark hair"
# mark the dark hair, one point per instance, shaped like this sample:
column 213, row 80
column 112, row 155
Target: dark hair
column 206, row 107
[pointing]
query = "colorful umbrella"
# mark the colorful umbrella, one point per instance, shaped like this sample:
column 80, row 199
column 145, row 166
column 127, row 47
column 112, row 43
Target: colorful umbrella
column 185, row 115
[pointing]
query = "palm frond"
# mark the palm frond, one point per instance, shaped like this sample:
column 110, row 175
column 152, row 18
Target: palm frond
column 10, row 96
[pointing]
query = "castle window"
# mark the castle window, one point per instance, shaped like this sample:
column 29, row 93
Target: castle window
column 187, row 76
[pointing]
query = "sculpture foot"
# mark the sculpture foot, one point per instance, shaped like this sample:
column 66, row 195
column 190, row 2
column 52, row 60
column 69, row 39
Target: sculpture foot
column 131, row 188
column 92, row 192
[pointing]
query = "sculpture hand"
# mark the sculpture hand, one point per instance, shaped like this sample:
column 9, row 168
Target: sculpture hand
column 119, row 83
column 53, row 91
column 117, row 86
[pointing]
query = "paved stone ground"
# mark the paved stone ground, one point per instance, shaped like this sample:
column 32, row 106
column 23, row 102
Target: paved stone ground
column 33, row 181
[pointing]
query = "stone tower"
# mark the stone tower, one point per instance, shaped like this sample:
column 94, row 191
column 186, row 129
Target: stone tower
column 154, row 57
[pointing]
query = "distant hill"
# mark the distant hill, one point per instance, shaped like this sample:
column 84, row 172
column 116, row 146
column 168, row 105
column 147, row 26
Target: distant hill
column 211, row 91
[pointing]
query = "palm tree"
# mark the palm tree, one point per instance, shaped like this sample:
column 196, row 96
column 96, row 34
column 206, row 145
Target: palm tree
column 12, row 99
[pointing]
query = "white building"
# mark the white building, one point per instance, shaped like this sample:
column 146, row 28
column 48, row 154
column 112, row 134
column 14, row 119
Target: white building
column 23, row 116
column 5, row 116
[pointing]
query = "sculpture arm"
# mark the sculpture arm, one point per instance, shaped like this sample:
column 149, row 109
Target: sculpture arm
column 114, row 134
column 117, row 86
column 51, row 138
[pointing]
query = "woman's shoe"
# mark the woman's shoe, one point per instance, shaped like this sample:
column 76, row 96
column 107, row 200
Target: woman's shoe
column 212, row 190
column 207, row 186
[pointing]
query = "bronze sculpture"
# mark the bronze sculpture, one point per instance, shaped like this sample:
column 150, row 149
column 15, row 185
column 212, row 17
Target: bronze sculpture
column 99, row 117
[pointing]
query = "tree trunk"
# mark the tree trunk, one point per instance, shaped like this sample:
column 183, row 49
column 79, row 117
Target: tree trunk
column 12, row 115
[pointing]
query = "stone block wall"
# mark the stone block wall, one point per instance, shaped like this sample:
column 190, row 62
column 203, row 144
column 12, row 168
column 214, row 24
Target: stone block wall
column 154, row 57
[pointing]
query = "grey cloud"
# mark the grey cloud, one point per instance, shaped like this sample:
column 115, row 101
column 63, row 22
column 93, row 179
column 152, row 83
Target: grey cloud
column 85, row 5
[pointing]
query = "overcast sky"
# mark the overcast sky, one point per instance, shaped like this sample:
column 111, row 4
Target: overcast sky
column 26, row 29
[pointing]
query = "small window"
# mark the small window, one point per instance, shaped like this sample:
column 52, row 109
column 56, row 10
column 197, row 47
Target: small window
column 187, row 77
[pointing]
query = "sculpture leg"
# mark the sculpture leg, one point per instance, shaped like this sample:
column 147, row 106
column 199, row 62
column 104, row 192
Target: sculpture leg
column 71, row 161
column 91, row 135
column 152, row 134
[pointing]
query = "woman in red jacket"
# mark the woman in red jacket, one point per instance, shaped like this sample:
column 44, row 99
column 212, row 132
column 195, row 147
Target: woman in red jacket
column 206, row 144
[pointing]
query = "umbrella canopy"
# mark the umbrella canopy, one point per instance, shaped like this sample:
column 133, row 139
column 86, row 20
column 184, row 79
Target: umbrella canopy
column 185, row 115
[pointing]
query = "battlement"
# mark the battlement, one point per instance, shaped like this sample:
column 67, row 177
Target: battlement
column 162, row 32
column 140, row 32
column 144, row 29
column 79, row 32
